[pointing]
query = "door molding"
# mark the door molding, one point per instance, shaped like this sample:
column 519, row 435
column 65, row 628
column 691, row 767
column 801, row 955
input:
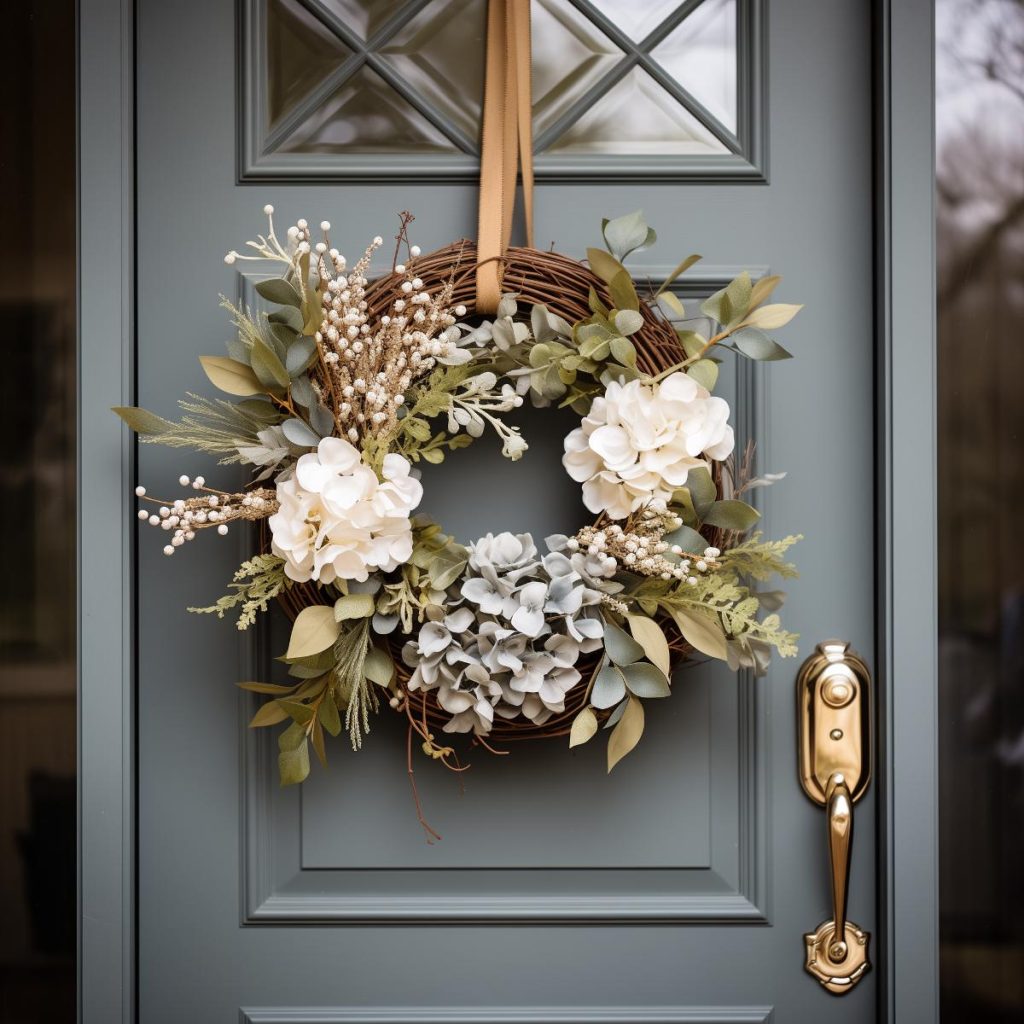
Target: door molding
column 106, row 460
column 906, row 541
column 500, row 1015
column 905, row 505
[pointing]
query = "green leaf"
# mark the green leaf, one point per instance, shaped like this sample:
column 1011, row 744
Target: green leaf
column 231, row 376
column 623, row 291
column 628, row 233
column 354, row 606
column 289, row 316
column 142, row 421
column 621, row 647
column 291, row 737
column 613, row 718
column 293, row 765
column 672, row 304
column 595, row 304
column 299, row 712
column 268, row 368
column 299, row 433
column 277, row 289
column 269, row 714
column 651, row 637
column 378, row 667
column 627, row 733
column 327, row 712
column 729, row 305
column 584, row 725
column 272, row 688
column 681, row 269
column 688, row 539
column 692, row 342
column 704, row 372
column 300, row 356
column 609, row 687
column 702, row 630
column 646, row 680
column 604, row 265
column 755, row 344
column 732, row 514
column 702, row 490
column 628, row 321
column 314, row 630
column 763, row 288
column 623, row 351
column 770, row 318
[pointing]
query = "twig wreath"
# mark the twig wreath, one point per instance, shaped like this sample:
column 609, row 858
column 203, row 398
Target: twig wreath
column 348, row 384
column 339, row 392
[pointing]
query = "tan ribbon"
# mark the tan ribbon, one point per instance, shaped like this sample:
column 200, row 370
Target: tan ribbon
column 507, row 139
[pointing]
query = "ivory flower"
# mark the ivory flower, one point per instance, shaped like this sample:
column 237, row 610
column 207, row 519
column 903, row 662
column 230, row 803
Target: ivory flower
column 338, row 521
column 640, row 441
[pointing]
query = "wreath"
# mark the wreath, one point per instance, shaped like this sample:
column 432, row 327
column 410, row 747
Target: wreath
column 341, row 386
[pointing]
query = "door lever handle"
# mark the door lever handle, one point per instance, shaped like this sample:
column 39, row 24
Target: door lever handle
column 834, row 718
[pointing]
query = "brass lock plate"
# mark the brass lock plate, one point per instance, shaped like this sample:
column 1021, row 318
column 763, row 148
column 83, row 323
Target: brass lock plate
column 834, row 716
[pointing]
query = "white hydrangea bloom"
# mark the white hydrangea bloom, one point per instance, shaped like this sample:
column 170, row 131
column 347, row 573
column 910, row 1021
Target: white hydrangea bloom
column 338, row 521
column 640, row 441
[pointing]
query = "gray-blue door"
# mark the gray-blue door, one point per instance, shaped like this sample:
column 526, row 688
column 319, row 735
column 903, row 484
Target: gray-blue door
column 679, row 888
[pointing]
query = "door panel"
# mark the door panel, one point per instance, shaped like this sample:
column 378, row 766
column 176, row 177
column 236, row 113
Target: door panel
column 684, row 881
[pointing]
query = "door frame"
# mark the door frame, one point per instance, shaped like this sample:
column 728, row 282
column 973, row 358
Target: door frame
column 905, row 558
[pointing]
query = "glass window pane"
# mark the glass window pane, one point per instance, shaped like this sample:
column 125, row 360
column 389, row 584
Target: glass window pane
column 437, row 53
column 37, row 518
column 980, row 232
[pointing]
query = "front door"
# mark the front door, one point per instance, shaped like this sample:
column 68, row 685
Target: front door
column 679, row 888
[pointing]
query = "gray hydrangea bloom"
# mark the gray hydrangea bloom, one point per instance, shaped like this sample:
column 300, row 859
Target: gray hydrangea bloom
column 511, row 638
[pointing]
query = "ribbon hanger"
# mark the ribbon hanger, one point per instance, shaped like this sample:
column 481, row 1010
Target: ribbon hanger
column 507, row 142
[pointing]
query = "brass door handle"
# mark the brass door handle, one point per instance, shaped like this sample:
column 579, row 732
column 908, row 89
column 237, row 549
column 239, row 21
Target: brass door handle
column 834, row 718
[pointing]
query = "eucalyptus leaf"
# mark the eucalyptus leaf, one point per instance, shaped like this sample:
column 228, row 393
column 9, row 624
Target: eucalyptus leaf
column 291, row 737
column 296, row 710
column 327, row 712
column 613, row 718
column 702, row 490
column 354, row 606
column 623, row 291
column 770, row 318
column 609, row 687
column 584, row 725
column 732, row 514
column 268, row 714
column 604, row 265
column 268, row 367
column 314, row 630
column 755, row 344
column 628, row 321
column 623, row 351
column 302, row 391
column 680, row 270
column 652, row 638
column 293, row 765
column 379, row 667
column 704, row 372
column 621, row 647
column 702, row 630
column 628, row 233
column 692, row 342
column 688, row 539
column 231, row 376
column 299, row 433
column 321, row 419
column 646, row 680
column 271, row 688
column 626, row 735
column 672, row 304
column 277, row 289
column 289, row 316
column 730, row 304
column 300, row 356
column 142, row 421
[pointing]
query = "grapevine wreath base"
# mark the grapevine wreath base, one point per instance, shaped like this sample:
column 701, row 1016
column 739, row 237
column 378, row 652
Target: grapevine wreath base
column 343, row 385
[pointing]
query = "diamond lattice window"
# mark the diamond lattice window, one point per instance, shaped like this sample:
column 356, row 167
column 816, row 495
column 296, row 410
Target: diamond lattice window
column 348, row 87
